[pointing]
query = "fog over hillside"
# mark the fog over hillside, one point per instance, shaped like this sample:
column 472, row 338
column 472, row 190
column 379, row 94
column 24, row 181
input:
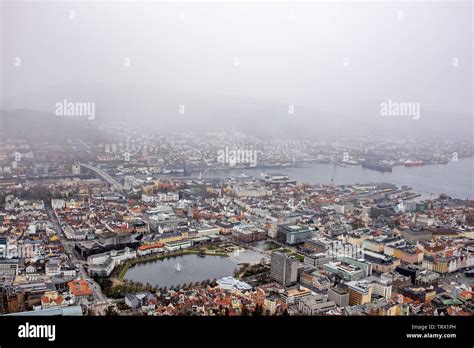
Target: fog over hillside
column 159, row 109
column 310, row 70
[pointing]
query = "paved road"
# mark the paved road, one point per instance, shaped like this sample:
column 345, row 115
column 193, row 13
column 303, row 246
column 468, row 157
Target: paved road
column 266, row 254
column 69, row 250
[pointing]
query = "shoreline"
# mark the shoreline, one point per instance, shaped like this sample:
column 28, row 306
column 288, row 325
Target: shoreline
column 126, row 266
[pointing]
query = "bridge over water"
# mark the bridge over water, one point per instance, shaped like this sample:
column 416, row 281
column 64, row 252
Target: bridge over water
column 101, row 173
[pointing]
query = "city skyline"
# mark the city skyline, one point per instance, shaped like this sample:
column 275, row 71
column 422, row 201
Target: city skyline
column 303, row 166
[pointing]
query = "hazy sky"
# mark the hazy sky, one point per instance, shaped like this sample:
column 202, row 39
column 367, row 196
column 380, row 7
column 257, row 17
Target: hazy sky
column 282, row 52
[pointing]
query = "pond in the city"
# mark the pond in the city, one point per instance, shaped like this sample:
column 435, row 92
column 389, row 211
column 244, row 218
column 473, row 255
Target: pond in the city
column 180, row 270
column 264, row 245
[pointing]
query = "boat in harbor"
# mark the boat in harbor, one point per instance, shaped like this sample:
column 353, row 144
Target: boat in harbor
column 379, row 166
column 351, row 162
column 177, row 267
column 413, row 163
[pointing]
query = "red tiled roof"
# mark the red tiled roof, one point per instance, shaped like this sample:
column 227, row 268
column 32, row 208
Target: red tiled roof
column 150, row 246
column 79, row 287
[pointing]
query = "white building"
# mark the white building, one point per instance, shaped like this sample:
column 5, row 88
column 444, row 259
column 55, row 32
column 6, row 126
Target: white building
column 53, row 268
column 76, row 169
column 148, row 198
column 382, row 289
column 58, row 203
column 168, row 197
column 229, row 283
column 103, row 264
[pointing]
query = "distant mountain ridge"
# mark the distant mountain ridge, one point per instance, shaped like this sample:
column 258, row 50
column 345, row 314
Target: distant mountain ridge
column 159, row 108
column 42, row 126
